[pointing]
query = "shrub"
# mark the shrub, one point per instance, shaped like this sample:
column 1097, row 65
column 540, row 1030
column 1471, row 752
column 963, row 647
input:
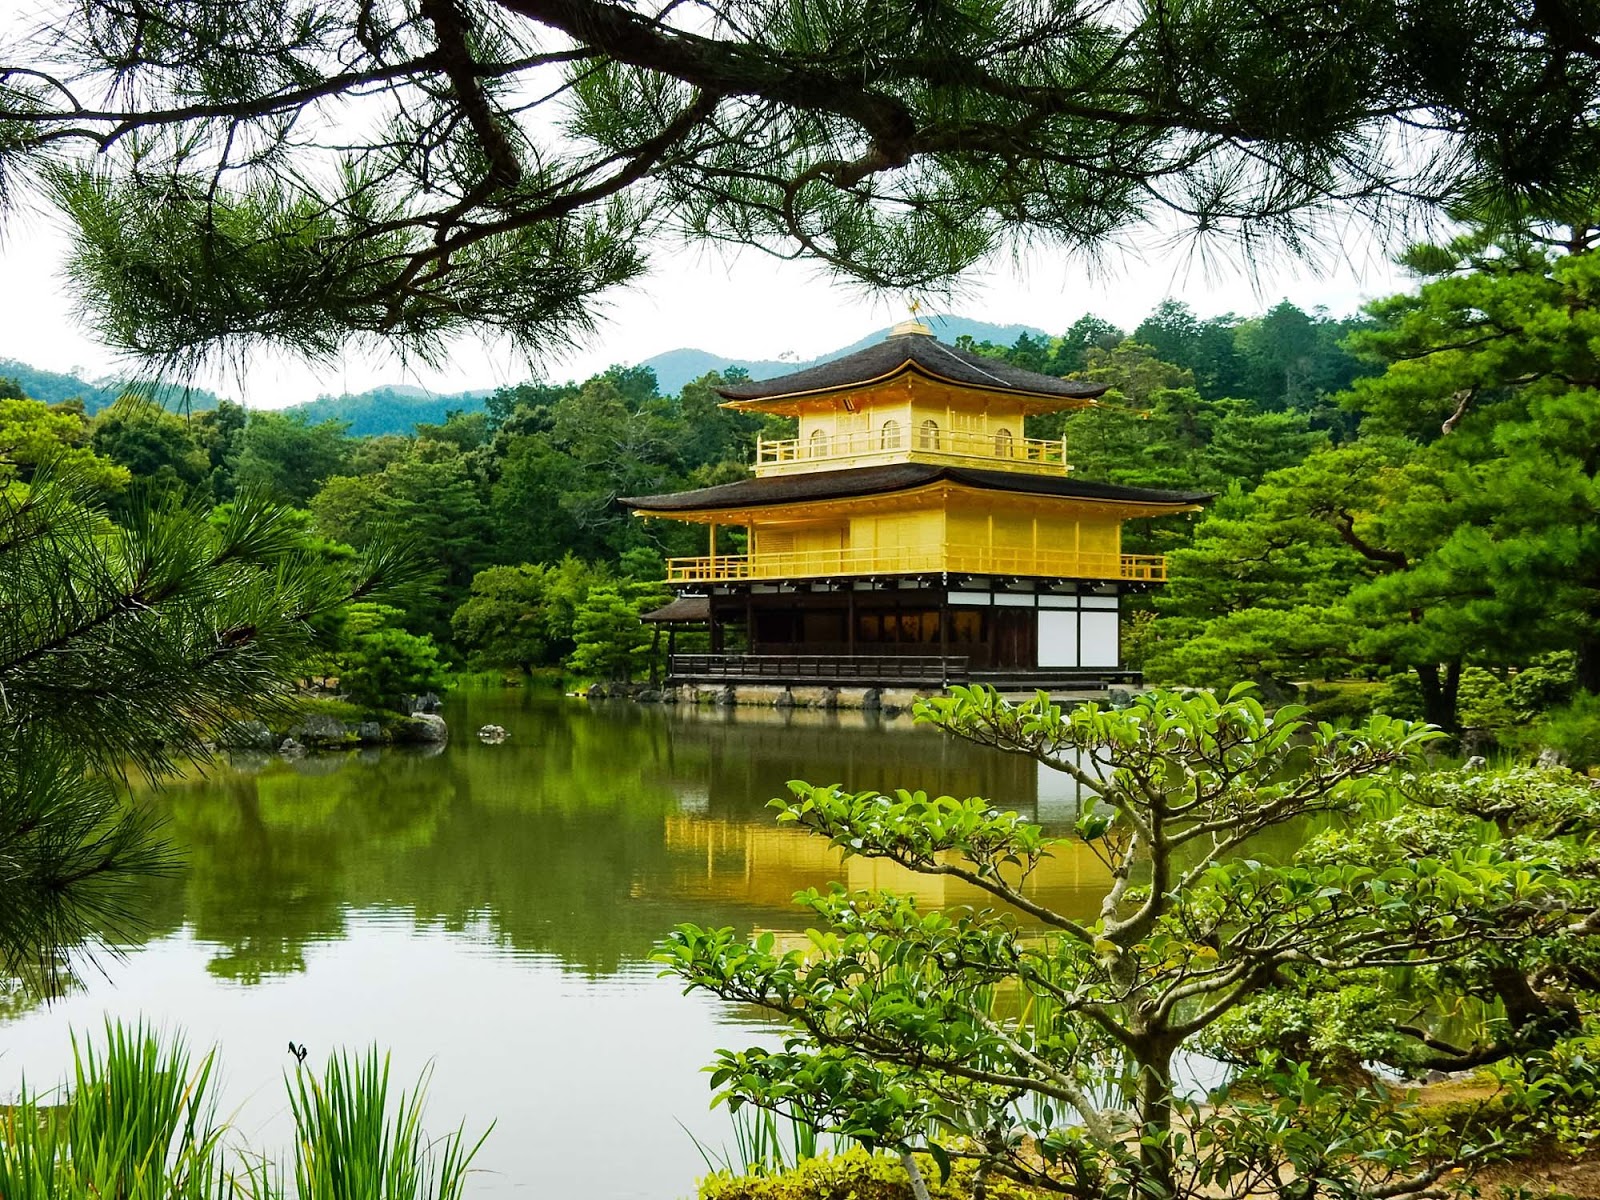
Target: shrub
column 384, row 666
column 857, row 1175
column 1573, row 729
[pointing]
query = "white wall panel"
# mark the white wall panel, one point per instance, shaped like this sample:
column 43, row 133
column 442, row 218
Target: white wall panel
column 1099, row 647
column 1058, row 638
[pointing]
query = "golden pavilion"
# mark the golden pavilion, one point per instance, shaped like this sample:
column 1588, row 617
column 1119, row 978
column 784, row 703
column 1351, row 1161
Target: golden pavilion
column 911, row 532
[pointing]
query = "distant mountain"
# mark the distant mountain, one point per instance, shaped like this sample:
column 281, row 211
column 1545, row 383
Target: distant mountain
column 397, row 408
column 53, row 387
column 678, row 367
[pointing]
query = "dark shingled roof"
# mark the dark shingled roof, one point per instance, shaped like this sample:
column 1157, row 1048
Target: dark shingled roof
column 897, row 477
column 934, row 357
column 684, row 609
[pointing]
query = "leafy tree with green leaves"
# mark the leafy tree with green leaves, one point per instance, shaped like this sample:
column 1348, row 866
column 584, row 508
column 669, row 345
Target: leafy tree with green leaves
column 504, row 623
column 288, row 457
column 463, row 430
column 518, row 158
column 33, row 433
column 220, row 433
column 381, row 668
column 158, row 448
column 125, row 649
column 611, row 641
column 1205, row 348
column 1070, row 354
column 1446, row 922
column 431, row 503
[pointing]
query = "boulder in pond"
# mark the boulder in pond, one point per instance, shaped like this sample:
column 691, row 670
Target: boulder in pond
column 492, row 735
column 597, row 691
column 291, row 749
column 423, row 729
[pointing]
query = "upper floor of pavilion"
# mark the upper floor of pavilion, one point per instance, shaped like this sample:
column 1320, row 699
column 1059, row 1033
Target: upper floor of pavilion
column 911, row 399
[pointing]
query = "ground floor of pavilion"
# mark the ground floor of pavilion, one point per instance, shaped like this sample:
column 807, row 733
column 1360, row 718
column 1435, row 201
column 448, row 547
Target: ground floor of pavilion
column 918, row 630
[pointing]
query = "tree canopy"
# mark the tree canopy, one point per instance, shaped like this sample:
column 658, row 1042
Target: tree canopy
column 299, row 174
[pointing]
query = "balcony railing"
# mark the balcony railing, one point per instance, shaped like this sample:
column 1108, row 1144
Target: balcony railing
column 822, row 668
column 871, row 443
column 967, row 560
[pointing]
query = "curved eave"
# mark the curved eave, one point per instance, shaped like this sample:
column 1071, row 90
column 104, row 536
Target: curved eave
column 787, row 403
column 740, row 514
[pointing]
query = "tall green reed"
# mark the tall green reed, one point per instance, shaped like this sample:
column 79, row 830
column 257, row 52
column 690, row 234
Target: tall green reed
column 354, row 1145
column 136, row 1121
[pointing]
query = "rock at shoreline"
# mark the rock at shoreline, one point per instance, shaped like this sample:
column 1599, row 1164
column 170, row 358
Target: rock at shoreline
column 247, row 735
column 422, row 728
column 322, row 730
column 291, row 749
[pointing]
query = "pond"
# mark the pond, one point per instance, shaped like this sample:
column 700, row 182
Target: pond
column 491, row 911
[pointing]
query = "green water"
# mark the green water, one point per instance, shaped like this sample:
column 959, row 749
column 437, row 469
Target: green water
column 491, row 910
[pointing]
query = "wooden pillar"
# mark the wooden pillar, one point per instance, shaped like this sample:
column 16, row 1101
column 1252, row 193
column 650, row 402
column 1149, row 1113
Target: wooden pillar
column 711, row 554
column 850, row 621
column 944, row 637
column 750, row 622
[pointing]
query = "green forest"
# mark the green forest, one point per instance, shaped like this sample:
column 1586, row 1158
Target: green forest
column 1403, row 517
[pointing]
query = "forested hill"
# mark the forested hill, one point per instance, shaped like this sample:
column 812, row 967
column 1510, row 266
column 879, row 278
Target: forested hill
column 398, row 408
column 56, row 387
column 678, row 367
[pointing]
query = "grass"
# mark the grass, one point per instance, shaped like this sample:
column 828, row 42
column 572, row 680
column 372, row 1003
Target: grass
column 330, row 706
column 765, row 1143
column 354, row 1146
column 136, row 1121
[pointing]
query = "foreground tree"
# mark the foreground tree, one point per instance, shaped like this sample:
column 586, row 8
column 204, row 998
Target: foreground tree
column 125, row 649
column 1461, row 529
column 515, row 157
column 1059, row 1049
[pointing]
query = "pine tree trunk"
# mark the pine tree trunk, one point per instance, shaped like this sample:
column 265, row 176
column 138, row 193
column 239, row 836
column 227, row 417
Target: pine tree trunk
column 1589, row 663
column 1439, row 690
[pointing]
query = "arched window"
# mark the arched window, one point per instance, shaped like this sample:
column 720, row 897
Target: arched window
column 929, row 437
column 1004, row 444
column 819, row 444
column 889, row 436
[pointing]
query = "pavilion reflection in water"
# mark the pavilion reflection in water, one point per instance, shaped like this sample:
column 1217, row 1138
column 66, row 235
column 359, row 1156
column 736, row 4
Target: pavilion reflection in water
column 727, row 849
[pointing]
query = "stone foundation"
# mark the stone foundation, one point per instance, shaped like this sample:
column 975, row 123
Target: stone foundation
column 887, row 700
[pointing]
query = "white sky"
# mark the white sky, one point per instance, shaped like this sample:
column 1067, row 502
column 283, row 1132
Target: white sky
column 748, row 305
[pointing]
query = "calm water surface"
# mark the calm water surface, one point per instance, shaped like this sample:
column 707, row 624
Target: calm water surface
column 491, row 910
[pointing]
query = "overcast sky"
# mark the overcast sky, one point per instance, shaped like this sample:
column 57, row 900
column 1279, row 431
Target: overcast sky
column 749, row 306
